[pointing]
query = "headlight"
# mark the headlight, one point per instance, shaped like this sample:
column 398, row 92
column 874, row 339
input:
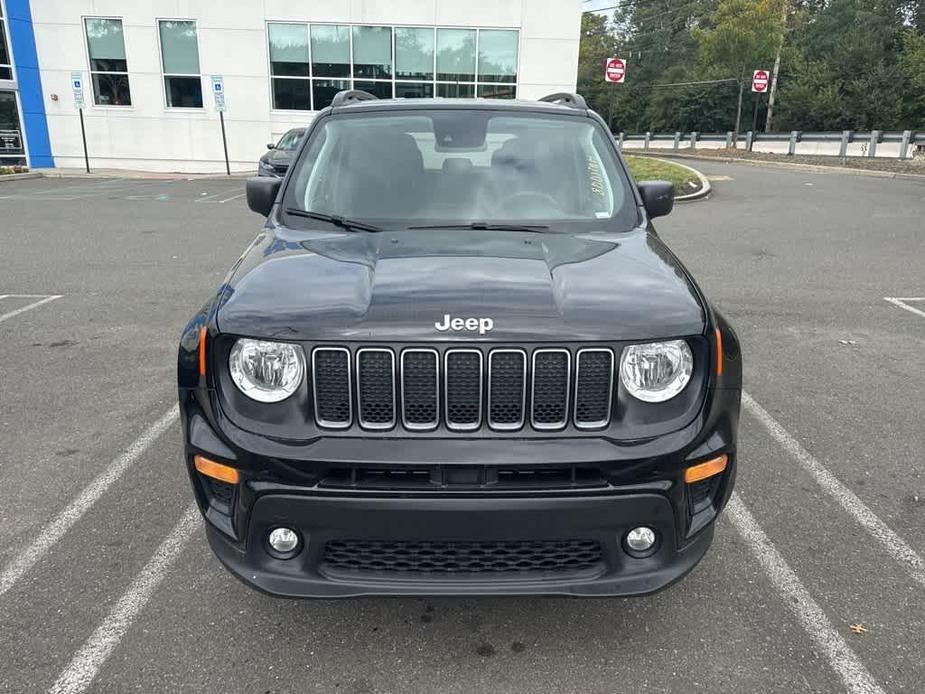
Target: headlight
column 264, row 168
column 266, row 371
column 657, row 371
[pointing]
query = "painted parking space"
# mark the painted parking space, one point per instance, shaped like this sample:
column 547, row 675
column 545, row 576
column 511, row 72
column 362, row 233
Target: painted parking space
column 914, row 305
column 12, row 305
column 131, row 189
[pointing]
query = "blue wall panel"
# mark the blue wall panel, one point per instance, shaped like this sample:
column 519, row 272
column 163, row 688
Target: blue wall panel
column 22, row 38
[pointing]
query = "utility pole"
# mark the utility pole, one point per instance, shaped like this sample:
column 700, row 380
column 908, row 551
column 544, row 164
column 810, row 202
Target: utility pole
column 776, row 70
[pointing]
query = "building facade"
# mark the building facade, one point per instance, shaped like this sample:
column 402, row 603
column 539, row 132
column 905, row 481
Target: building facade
column 150, row 69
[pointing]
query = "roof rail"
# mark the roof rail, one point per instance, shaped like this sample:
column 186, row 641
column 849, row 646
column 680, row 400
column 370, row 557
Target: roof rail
column 566, row 99
column 349, row 96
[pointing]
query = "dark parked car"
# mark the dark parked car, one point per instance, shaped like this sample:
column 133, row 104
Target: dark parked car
column 458, row 359
column 276, row 161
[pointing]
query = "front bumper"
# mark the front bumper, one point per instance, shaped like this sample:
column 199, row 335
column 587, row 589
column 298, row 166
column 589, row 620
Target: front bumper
column 492, row 521
column 351, row 491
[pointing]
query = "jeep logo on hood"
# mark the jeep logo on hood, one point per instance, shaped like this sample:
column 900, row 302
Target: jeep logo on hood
column 483, row 325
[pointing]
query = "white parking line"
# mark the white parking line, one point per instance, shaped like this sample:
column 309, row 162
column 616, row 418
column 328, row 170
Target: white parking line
column 86, row 663
column 897, row 548
column 209, row 198
column 901, row 302
column 54, row 531
column 27, row 307
column 841, row 658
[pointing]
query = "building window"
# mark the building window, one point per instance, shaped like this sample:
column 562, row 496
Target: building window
column 497, row 56
column 6, row 65
column 456, row 55
column 180, row 61
column 108, row 66
column 414, row 53
column 289, row 66
column 310, row 63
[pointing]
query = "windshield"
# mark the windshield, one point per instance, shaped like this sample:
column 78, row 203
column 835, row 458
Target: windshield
column 443, row 167
column 290, row 140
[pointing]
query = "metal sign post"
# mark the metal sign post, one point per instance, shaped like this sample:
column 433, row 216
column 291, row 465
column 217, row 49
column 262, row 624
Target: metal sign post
column 615, row 73
column 218, row 93
column 77, row 85
column 760, row 80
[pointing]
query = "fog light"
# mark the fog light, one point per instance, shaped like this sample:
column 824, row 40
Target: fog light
column 283, row 540
column 640, row 539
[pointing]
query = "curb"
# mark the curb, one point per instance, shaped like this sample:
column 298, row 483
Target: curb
column 143, row 175
column 705, row 186
column 19, row 176
column 816, row 168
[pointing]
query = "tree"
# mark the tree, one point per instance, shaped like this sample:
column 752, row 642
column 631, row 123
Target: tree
column 743, row 37
column 597, row 45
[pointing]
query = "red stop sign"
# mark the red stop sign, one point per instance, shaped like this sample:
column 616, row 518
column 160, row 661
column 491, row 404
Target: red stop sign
column 760, row 81
column 615, row 70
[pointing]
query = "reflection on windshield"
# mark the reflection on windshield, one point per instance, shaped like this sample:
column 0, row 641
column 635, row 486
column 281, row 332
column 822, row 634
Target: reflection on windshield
column 443, row 166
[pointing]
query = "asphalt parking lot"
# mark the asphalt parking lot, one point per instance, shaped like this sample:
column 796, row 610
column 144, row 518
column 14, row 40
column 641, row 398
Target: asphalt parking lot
column 106, row 583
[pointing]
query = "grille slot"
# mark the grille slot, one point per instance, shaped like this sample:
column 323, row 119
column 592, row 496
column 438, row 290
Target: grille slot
column 461, row 557
column 551, row 376
column 420, row 388
column 331, row 376
column 593, row 388
column 463, row 392
column 376, row 388
column 507, row 388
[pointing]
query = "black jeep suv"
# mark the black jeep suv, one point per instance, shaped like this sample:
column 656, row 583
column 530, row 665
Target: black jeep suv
column 458, row 359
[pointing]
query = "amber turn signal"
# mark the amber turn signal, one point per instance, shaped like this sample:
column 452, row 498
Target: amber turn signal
column 719, row 353
column 708, row 469
column 210, row 468
column 202, row 350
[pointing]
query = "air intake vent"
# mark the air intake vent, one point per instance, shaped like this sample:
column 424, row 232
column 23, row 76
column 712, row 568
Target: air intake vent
column 463, row 389
column 331, row 374
column 516, row 557
column 507, row 388
column 376, row 388
column 593, row 388
column 550, row 388
column 420, row 388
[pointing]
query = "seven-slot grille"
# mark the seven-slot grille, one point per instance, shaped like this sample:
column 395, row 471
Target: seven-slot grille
column 464, row 388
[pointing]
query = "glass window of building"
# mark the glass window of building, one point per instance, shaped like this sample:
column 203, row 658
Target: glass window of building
column 289, row 66
column 330, row 47
column 6, row 66
column 456, row 91
column 372, row 52
column 456, row 55
column 108, row 65
column 323, row 91
column 310, row 63
column 180, row 61
column 414, row 53
column 414, row 90
column 497, row 56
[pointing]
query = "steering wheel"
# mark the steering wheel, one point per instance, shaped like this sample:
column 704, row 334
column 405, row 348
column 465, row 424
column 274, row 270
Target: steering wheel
column 524, row 196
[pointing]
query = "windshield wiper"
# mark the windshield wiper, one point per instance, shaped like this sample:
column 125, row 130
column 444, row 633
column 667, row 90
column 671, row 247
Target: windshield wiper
column 334, row 219
column 487, row 226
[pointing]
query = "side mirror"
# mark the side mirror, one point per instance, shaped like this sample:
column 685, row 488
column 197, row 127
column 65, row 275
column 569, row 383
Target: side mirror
column 270, row 145
column 657, row 197
column 261, row 193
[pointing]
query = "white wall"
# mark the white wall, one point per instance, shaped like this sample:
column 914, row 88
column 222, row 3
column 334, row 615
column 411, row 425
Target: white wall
column 232, row 43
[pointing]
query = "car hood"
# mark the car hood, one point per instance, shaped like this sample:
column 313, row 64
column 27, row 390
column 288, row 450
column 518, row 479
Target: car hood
column 278, row 156
column 394, row 286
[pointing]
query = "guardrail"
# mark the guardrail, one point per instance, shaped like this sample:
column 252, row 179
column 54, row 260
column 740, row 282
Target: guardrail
column 902, row 144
